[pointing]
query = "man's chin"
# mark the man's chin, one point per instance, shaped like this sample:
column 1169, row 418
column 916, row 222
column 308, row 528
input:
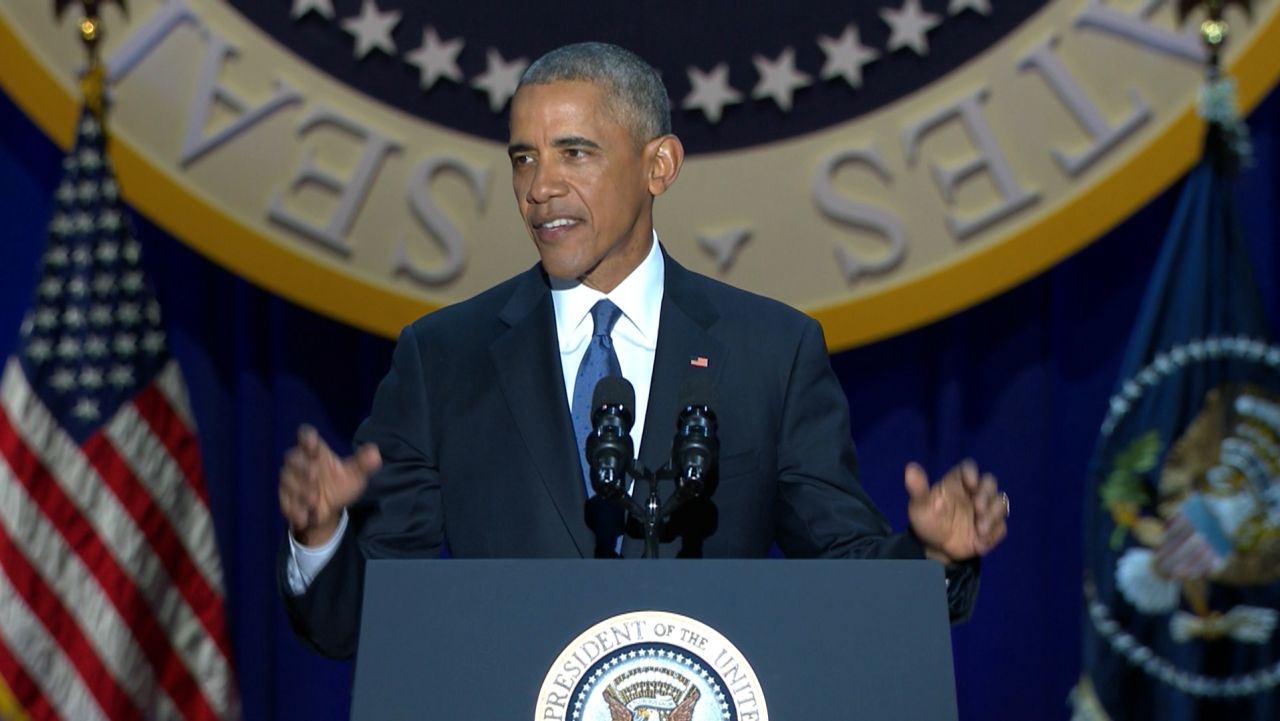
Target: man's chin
column 562, row 275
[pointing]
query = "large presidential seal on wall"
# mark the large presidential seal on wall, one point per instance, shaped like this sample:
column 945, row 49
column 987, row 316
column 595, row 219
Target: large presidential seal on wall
column 879, row 164
column 651, row 666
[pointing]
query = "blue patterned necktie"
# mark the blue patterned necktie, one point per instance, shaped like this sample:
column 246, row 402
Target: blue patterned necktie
column 600, row 360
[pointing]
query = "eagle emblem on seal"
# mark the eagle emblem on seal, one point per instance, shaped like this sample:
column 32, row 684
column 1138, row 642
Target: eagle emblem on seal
column 651, row 694
column 1214, row 518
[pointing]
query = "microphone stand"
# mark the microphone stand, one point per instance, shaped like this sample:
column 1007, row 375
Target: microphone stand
column 655, row 510
column 613, row 478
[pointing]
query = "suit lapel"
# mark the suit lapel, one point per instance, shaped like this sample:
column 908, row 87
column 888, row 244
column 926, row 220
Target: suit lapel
column 684, row 343
column 527, row 357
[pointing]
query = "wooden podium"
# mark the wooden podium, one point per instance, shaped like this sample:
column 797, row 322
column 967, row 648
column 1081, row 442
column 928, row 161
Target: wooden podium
column 455, row 640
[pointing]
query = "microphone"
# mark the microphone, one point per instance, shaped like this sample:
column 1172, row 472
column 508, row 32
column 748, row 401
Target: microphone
column 609, row 447
column 696, row 448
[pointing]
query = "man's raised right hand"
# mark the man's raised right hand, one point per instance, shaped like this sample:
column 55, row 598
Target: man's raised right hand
column 316, row 485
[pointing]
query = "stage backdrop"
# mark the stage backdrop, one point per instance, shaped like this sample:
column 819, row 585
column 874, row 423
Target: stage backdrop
column 828, row 168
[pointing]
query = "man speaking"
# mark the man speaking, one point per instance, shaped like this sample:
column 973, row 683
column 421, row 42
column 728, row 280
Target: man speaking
column 476, row 435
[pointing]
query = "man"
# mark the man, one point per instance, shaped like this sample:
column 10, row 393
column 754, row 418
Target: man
column 472, row 442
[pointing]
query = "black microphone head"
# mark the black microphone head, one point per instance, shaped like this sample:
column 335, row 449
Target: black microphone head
column 695, row 450
column 615, row 391
column 614, row 395
column 609, row 448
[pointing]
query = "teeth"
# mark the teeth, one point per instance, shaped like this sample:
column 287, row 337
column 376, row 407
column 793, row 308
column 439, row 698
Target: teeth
column 557, row 223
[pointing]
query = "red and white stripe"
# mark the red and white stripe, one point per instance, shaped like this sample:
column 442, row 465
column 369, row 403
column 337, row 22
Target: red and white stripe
column 110, row 582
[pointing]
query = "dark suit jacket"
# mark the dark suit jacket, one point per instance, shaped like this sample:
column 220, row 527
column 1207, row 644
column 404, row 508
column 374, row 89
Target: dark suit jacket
column 479, row 452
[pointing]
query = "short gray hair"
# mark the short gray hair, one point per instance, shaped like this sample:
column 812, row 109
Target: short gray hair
column 634, row 88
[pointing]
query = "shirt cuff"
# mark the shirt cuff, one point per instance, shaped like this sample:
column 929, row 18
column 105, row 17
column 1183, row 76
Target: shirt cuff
column 306, row 562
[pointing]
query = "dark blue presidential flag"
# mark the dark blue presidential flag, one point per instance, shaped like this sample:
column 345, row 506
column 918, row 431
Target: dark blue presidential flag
column 1182, row 508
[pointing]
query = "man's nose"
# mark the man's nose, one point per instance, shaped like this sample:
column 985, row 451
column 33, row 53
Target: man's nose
column 547, row 183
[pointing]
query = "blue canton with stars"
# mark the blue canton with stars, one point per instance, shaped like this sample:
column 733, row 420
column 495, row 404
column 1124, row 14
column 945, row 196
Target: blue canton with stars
column 92, row 338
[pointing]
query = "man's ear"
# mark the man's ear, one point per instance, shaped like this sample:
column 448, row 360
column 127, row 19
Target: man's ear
column 666, row 156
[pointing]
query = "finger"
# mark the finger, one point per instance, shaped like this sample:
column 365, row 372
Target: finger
column 296, row 494
column 368, row 459
column 291, row 481
column 916, row 482
column 988, row 505
column 969, row 474
column 986, row 493
column 296, row 460
column 295, row 479
column 355, row 472
column 309, row 439
column 988, row 541
column 294, row 513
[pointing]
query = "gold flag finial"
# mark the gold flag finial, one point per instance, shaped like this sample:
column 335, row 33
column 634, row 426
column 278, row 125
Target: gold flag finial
column 93, row 84
column 1214, row 30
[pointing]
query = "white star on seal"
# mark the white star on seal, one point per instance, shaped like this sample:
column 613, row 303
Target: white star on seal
column 436, row 59
column 846, row 56
column 982, row 7
column 908, row 26
column 372, row 29
column 499, row 79
column 779, row 78
column 323, row 8
column 725, row 245
column 711, row 92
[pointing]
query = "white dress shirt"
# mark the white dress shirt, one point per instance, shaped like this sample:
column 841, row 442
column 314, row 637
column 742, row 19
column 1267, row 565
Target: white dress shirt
column 635, row 339
column 635, row 335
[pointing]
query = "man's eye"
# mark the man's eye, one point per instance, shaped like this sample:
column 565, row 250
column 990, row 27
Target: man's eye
column 521, row 160
column 575, row 152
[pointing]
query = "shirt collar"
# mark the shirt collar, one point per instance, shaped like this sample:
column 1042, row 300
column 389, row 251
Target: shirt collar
column 638, row 296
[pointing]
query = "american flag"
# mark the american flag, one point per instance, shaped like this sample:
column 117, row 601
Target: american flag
column 111, row 590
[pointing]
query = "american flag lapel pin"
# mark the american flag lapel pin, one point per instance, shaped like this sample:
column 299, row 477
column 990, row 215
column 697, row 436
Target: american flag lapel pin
column 698, row 361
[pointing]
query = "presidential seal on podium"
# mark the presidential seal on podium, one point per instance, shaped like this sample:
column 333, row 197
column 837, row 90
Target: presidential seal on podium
column 651, row 666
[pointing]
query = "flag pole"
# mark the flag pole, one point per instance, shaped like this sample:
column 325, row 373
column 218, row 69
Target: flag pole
column 93, row 82
column 1214, row 29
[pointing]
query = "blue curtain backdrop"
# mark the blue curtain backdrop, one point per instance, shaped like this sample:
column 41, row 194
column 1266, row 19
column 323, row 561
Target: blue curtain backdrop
column 1019, row 382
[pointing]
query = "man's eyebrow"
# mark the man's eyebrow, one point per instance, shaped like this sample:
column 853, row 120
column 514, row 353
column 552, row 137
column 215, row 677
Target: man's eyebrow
column 574, row 141
column 569, row 141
